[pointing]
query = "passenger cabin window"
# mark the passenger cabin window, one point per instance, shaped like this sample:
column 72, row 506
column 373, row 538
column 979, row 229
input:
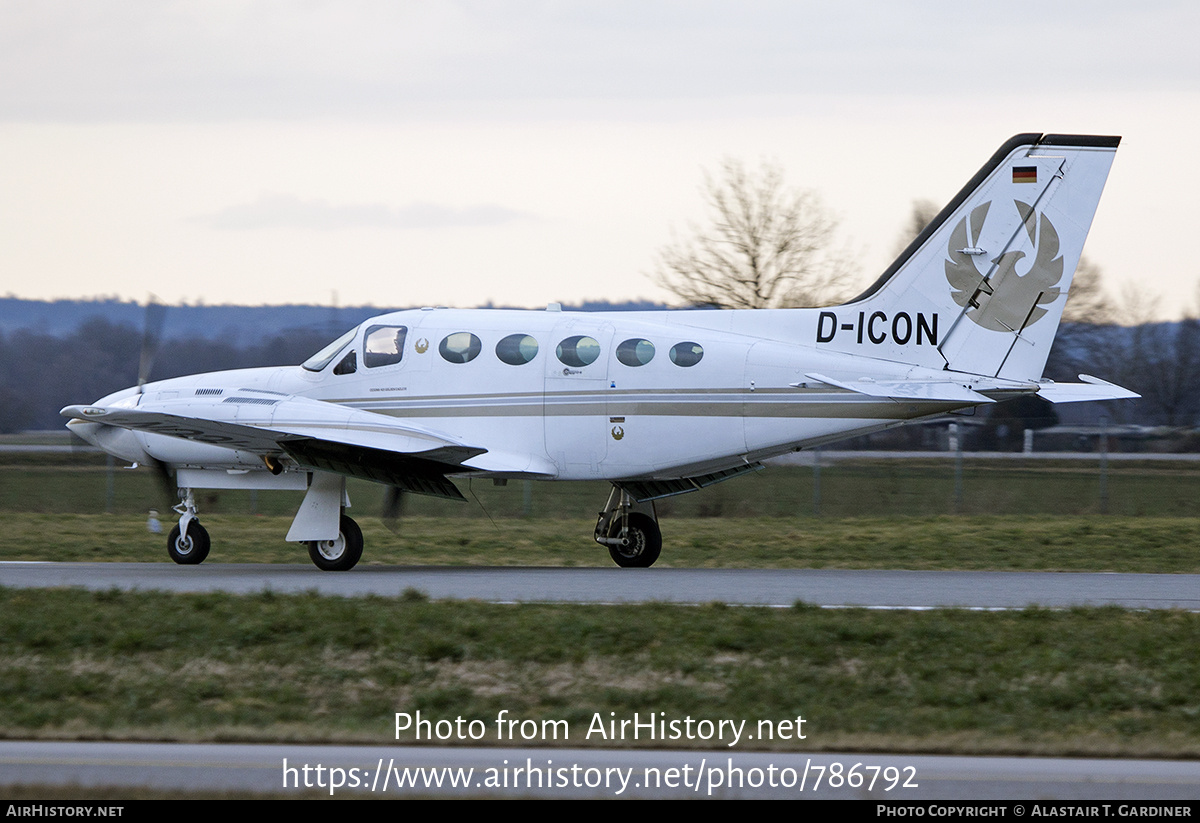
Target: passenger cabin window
column 686, row 354
column 460, row 347
column 635, row 352
column 578, row 351
column 383, row 345
column 517, row 349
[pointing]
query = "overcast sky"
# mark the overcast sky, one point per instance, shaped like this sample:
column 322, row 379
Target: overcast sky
column 452, row 153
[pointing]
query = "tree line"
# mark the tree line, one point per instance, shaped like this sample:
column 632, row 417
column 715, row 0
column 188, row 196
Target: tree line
column 40, row 373
column 765, row 246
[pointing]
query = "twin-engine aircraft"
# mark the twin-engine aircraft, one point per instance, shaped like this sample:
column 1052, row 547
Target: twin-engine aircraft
column 657, row 403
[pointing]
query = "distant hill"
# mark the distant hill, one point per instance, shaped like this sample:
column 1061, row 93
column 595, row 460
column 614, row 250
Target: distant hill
column 53, row 353
column 236, row 325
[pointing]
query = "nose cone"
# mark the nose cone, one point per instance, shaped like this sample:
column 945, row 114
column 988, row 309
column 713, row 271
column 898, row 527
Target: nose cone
column 118, row 442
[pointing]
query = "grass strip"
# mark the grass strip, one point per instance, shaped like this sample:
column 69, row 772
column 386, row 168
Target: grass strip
column 271, row 667
column 67, row 483
column 1012, row 543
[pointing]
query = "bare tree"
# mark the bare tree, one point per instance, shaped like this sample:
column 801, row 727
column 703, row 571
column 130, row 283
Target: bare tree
column 1138, row 307
column 923, row 212
column 1161, row 359
column 1087, row 341
column 1163, row 365
column 1087, row 302
column 1128, row 343
column 767, row 246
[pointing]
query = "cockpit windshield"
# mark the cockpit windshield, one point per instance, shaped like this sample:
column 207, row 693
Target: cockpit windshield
column 325, row 356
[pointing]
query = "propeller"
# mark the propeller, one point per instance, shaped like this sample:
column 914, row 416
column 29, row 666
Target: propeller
column 79, row 446
column 393, row 507
column 156, row 315
column 166, row 482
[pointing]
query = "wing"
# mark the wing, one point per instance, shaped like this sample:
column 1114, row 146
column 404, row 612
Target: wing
column 314, row 434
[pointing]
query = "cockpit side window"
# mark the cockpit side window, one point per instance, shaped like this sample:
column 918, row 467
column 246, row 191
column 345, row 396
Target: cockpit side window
column 349, row 364
column 383, row 345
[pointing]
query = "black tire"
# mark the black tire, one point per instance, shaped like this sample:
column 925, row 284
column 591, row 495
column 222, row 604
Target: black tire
column 338, row 555
column 189, row 550
column 645, row 543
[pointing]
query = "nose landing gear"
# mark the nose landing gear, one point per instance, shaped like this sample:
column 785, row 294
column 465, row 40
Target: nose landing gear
column 188, row 542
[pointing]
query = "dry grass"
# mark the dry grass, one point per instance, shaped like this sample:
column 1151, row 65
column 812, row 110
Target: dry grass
column 213, row 667
column 1025, row 543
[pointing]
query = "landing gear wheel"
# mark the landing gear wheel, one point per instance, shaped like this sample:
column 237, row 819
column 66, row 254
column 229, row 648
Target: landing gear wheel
column 645, row 542
column 340, row 554
column 189, row 549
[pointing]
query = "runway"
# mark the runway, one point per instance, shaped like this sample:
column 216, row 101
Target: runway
column 761, row 587
column 173, row 767
column 394, row 772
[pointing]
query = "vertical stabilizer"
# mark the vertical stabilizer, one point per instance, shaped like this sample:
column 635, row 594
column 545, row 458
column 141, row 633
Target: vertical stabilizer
column 982, row 288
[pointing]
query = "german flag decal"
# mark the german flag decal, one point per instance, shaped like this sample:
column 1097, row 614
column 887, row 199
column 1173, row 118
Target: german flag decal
column 1024, row 174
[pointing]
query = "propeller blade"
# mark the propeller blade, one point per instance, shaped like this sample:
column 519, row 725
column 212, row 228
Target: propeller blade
column 166, row 481
column 79, row 445
column 393, row 507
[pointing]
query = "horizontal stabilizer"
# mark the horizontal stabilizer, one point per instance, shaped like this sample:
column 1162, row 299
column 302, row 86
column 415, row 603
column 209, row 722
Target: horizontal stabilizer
column 928, row 390
column 1092, row 388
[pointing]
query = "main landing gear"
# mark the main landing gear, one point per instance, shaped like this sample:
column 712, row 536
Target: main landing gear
column 630, row 531
column 341, row 553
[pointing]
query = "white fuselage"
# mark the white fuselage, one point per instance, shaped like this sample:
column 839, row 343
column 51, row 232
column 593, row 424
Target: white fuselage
column 669, row 394
column 658, row 403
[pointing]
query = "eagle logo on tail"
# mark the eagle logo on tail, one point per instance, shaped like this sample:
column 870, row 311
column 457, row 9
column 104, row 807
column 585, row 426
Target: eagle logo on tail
column 1005, row 299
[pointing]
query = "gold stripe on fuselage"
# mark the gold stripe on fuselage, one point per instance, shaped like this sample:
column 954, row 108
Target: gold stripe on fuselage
column 657, row 403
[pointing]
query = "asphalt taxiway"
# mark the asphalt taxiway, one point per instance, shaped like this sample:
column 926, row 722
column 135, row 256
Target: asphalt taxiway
column 385, row 772
column 761, row 587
